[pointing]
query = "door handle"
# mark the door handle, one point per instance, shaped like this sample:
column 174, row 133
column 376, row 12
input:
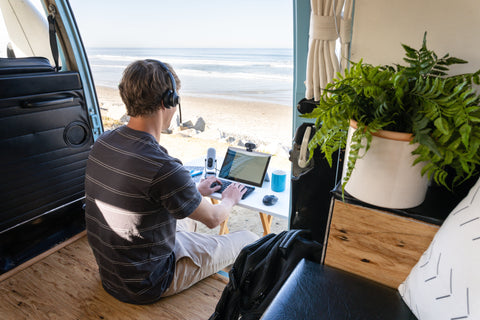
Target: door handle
column 44, row 103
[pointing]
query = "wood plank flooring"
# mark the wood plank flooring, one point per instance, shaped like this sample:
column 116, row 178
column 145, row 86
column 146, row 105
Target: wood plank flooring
column 66, row 285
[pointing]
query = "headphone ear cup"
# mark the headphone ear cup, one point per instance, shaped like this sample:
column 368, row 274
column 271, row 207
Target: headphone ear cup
column 175, row 98
column 170, row 99
column 167, row 99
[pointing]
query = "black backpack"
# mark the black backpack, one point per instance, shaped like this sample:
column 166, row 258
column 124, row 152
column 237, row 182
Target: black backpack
column 259, row 272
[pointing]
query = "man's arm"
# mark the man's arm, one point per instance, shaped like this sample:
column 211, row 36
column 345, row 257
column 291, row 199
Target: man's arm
column 212, row 215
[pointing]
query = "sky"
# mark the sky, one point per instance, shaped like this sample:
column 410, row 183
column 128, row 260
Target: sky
column 185, row 23
column 181, row 23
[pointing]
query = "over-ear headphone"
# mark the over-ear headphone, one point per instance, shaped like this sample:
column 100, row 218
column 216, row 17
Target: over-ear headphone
column 170, row 97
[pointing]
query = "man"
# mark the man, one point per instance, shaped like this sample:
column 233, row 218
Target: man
column 136, row 192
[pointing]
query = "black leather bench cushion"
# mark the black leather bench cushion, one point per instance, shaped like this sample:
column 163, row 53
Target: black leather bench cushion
column 316, row 291
column 25, row 65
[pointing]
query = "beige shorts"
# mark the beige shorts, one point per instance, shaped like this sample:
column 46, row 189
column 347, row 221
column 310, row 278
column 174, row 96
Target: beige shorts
column 200, row 255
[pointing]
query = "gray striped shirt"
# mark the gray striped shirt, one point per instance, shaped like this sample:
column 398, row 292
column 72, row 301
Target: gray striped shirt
column 135, row 192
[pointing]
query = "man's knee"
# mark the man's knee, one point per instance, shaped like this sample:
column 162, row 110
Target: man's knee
column 246, row 236
column 252, row 236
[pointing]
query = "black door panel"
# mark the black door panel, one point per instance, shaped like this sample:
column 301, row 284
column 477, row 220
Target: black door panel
column 45, row 139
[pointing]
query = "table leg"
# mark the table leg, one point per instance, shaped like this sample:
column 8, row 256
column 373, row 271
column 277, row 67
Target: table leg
column 223, row 225
column 266, row 222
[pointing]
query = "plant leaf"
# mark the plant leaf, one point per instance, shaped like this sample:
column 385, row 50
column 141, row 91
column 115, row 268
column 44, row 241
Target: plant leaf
column 465, row 131
column 442, row 125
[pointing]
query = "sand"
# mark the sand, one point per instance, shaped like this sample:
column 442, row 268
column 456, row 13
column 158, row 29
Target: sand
column 228, row 122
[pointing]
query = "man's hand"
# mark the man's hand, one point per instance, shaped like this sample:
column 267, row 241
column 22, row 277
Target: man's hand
column 204, row 186
column 212, row 215
column 234, row 192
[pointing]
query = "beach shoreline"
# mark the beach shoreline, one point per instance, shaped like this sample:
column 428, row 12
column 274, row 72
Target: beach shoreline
column 228, row 122
column 258, row 121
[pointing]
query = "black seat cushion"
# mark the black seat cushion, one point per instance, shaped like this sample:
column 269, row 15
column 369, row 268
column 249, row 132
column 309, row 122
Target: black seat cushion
column 316, row 291
column 25, row 65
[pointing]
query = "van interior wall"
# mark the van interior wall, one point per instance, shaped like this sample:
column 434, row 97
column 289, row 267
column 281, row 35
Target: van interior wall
column 381, row 26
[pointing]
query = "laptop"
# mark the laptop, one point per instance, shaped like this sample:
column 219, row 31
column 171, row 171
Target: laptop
column 246, row 167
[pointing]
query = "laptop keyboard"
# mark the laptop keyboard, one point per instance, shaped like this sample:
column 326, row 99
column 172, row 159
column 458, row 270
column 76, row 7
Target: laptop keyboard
column 226, row 183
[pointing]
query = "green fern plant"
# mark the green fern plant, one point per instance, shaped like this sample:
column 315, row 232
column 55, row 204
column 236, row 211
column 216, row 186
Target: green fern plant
column 441, row 111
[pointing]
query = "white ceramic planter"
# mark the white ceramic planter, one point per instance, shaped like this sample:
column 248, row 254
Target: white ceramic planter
column 384, row 176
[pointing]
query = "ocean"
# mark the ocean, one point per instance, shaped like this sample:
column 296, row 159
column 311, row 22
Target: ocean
column 264, row 75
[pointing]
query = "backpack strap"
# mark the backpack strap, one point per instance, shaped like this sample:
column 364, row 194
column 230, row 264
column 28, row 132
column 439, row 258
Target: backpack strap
column 286, row 245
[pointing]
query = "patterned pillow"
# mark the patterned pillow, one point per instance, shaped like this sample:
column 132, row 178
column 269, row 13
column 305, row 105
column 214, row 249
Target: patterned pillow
column 445, row 283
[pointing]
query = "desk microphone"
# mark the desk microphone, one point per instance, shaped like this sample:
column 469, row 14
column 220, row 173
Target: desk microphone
column 210, row 162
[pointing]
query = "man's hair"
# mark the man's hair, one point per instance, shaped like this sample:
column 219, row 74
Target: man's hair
column 143, row 85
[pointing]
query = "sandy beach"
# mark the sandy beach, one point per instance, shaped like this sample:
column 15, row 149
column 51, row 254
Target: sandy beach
column 227, row 122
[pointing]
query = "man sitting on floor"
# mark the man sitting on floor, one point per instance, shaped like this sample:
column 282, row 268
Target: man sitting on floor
column 138, row 199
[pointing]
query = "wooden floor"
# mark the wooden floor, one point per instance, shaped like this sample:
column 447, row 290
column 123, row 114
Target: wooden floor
column 66, row 285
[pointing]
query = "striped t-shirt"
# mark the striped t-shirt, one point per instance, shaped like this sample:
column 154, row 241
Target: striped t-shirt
column 135, row 192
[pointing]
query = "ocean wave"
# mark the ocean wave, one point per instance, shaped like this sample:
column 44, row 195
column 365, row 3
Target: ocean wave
column 233, row 75
column 210, row 74
column 178, row 62
column 107, row 57
column 232, row 63
column 108, row 66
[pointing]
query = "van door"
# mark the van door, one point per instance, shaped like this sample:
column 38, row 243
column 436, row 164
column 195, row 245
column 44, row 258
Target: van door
column 49, row 119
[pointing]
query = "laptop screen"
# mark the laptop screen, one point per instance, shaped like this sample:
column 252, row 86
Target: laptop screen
column 245, row 166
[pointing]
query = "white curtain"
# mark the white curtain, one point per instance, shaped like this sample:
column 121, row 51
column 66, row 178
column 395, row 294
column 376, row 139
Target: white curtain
column 325, row 28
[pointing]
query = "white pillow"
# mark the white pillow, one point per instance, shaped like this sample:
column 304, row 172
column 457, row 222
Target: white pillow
column 445, row 282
